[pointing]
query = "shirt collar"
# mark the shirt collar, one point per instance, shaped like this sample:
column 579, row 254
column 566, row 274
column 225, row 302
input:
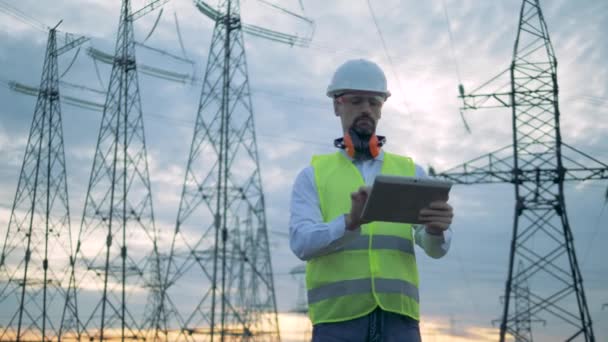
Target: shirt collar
column 379, row 157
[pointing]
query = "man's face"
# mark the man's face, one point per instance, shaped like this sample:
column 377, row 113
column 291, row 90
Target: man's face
column 359, row 110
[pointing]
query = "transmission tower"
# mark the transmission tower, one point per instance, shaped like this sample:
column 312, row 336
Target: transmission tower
column 118, row 264
column 299, row 275
column 521, row 295
column 35, row 267
column 537, row 164
column 221, row 240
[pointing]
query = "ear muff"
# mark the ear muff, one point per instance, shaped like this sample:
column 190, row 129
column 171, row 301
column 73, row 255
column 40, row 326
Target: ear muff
column 373, row 145
column 348, row 145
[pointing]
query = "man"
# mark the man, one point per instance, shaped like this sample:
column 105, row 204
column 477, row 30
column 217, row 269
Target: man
column 361, row 277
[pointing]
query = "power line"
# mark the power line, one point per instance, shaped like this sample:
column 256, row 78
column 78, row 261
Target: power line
column 191, row 123
column 596, row 229
column 460, row 87
column 22, row 16
column 388, row 56
column 453, row 51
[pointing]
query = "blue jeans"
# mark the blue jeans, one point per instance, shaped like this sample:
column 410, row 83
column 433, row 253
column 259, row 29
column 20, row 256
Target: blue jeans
column 378, row 326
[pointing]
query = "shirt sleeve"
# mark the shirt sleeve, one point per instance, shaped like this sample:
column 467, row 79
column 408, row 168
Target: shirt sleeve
column 434, row 246
column 309, row 236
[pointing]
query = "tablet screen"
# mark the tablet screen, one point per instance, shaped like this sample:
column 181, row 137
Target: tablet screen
column 400, row 199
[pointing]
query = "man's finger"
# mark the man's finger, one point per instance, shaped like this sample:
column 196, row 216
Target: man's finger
column 439, row 205
column 442, row 213
column 358, row 198
column 432, row 219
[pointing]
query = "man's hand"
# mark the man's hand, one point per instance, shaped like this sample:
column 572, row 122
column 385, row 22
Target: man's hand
column 357, row 199
column 437, row 217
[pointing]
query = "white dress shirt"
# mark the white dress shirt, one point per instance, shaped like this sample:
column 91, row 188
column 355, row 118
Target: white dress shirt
column 310, row 237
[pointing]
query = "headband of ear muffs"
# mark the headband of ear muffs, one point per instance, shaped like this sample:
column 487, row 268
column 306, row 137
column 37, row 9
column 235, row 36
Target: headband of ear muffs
column 367, row 145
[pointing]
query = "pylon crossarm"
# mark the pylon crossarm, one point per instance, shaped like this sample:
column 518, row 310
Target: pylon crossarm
column 494, row 93
column 207, row 10
column 147, row 9
column 494, row 167
column 144, row 69
column 584, row 174
column 495, row 100
column 579, row 166
column 71, row 44
column 70, row 100
column 259, row 31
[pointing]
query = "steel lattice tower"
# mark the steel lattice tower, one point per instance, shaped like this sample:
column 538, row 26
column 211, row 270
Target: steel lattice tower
column 521, row 295
column 220, row 240
column 118, row 264
column 537, row 164
column 35, row 264
column 298, row 274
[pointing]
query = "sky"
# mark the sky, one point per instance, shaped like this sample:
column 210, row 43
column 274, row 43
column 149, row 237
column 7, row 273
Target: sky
column 460, row 293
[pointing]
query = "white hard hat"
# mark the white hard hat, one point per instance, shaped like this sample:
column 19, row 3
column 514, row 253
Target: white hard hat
column 358, row 74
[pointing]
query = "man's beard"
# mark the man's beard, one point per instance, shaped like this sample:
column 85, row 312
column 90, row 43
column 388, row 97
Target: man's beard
column 360, row 139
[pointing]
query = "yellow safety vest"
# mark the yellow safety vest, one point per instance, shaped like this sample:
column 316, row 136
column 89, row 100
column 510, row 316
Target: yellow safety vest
column 377, row 268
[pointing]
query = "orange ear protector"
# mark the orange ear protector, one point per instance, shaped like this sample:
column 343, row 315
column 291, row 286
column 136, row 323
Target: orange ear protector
column 374, row 144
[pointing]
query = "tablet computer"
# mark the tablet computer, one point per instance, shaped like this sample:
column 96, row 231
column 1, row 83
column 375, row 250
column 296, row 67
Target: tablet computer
column 400, row 199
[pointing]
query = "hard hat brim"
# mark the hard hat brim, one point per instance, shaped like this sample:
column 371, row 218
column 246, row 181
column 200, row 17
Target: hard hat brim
column 332, row 93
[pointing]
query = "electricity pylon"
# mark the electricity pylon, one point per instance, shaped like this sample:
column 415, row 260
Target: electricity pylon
column 298, row 274
column 35, row 264
column 221, row 239
column 118, row 265
column 521, row 296
column 538, row 166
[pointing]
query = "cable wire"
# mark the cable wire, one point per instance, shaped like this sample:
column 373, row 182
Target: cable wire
column 451, row 36
column 160, row 14
column 180, row 122
column 388, row 56
column 596, row 229
column 98, row 74
column 455, row 61
column 22, row 16
column 71, row 64
column 179, row 35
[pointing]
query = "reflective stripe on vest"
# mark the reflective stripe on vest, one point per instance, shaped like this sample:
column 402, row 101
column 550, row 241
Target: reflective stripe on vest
column 380, row 242
column 357, row 286
column 377, row 268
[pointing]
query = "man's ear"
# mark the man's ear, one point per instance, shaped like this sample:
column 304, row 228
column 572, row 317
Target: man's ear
column 336, row 107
